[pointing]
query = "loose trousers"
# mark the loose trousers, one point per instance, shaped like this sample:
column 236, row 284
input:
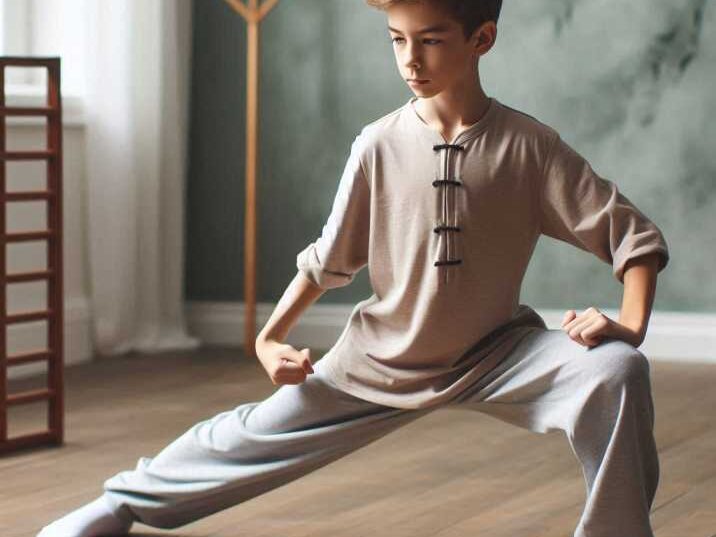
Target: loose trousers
column 600, row 397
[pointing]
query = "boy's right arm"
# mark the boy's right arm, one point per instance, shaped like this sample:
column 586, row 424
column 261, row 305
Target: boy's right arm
column 331, row 261
column 283, row 363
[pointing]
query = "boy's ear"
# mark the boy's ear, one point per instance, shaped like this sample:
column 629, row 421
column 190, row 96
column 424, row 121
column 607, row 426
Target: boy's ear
column 484, row 37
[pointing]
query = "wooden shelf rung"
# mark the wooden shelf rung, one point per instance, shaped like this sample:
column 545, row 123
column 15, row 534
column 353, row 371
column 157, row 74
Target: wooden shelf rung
column 27, row 111
column 24, row 61
column 39, row 315
column 29, row 396
column 27, row 440
column 41, row 154
column 18, row 277
column 27, row 357
column 29, row 195
column 25, row 236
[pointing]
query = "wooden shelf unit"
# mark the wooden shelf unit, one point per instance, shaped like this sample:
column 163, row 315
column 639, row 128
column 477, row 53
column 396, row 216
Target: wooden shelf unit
column 52, row 274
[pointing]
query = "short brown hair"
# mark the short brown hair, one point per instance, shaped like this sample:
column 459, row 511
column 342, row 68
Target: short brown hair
column 469, row 13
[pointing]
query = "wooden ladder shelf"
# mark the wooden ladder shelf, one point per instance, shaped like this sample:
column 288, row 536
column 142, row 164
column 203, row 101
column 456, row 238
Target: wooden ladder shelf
column 52, row 274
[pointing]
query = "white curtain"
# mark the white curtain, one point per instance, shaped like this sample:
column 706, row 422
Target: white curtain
column 137, row 101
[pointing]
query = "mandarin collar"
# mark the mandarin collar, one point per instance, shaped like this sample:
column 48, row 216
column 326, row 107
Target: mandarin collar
column 466, row 134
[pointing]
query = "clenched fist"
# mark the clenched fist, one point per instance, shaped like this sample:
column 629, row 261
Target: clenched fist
column 283, row 363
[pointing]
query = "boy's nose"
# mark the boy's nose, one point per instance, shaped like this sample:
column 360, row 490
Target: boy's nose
column 413, row 66
column 412, row 57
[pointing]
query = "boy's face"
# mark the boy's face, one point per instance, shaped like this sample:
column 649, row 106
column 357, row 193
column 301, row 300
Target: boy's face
column 441, row 56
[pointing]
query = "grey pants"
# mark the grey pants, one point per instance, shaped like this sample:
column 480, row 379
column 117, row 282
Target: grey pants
column 600, row 397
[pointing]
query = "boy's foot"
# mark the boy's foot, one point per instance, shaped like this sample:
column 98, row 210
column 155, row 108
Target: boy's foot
column 94, row 519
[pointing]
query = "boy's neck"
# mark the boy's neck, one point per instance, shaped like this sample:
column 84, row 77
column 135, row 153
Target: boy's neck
column 454, row 109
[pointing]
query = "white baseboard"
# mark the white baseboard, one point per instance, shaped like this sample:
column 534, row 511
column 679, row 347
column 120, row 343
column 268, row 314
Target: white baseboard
column 672, row 336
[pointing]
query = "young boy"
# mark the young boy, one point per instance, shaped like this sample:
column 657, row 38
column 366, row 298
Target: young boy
column 444, row 200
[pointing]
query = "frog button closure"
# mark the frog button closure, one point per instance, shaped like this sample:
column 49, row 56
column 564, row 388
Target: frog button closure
column 442, row 226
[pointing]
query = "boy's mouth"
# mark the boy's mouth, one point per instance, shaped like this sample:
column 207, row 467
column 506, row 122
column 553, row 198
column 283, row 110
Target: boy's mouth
column 417, row 81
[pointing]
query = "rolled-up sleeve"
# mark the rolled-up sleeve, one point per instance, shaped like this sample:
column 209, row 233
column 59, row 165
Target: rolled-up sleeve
column 334, row 258
column 579, row 207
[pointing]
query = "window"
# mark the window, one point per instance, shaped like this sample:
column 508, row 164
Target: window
column 45, row 28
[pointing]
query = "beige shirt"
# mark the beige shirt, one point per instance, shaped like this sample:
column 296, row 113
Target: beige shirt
column 447, row 231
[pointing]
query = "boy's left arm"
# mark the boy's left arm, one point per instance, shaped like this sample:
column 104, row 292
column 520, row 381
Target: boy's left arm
column 592, row 325
column 582, row 208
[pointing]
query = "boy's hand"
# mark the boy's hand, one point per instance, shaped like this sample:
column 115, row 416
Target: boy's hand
column 283, row 363
column 591, row 326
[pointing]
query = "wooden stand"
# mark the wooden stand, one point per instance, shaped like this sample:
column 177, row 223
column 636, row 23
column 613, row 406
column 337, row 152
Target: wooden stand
column 253, row 13
column 53, row 315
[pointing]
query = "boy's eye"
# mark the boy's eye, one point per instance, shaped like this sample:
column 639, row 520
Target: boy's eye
column 426, row 41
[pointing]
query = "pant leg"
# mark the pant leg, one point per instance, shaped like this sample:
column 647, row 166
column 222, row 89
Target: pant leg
column 242, row 453
column 601, row 398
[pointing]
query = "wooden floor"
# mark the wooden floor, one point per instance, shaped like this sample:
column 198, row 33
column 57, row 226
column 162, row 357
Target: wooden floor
column 454, row 472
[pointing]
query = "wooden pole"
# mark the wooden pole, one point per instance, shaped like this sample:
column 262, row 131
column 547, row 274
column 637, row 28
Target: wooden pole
column 253, row 14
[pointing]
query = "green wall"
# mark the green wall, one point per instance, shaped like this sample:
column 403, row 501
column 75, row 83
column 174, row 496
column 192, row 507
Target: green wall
column 327, row 69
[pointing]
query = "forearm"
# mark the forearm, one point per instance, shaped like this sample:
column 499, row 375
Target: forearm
column 296, row 299
column 639, row 290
